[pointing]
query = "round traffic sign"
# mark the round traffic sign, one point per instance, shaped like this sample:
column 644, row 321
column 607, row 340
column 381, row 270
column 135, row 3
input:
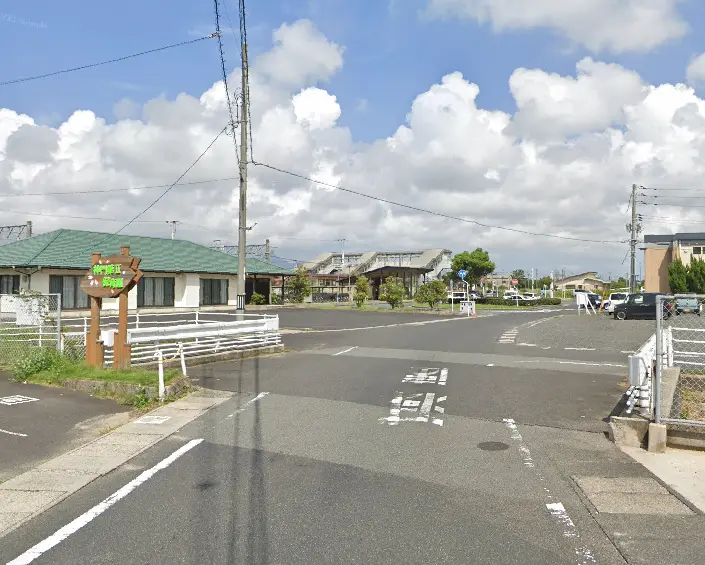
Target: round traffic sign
column 462, row 273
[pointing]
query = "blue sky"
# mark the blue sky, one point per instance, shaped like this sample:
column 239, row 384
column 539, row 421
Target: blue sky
column 392, row 54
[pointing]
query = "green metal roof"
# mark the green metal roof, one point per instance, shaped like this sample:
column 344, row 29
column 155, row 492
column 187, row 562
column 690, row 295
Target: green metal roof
column 71, row 249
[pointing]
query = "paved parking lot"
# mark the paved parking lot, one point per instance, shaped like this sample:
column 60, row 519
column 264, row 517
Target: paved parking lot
column 38, row 422
column 586, row 332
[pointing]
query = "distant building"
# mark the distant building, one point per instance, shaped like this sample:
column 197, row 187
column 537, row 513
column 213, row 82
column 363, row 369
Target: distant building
column 661, row 250
column 584, row 281
column 332, row 274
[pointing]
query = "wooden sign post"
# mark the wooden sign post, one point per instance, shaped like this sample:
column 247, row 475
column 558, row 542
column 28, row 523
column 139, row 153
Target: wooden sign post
column 110, row 277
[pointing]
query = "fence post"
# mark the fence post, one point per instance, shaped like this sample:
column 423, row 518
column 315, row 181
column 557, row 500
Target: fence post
column 669, row 346
column 41, row 331
column 183, row 359
column 137, row 320
column 659, row 352
column 59, row 341
column 197, row 317
column 160, row 359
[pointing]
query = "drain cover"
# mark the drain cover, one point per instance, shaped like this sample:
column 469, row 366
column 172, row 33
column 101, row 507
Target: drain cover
column 493, row 446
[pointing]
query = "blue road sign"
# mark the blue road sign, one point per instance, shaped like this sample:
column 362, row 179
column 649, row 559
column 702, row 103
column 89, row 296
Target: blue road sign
column 462, row 273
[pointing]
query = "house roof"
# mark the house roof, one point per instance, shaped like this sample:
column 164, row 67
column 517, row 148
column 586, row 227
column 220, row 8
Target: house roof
column 71, row 249
column 590, row 275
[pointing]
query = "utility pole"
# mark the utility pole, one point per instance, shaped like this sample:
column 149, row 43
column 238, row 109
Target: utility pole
column 634, row 228
column 267, row 251
column 173, row 227
column 242, row 227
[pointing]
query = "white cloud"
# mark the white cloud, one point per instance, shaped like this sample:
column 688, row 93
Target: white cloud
column 695, row 73
column 562, row 164
column 599, row 25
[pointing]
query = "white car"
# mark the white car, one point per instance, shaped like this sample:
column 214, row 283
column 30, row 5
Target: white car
column 531, row 296
column 614, row 299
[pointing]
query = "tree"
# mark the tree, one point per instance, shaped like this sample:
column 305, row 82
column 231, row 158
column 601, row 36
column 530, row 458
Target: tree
column 362, row 291
column 300, row 286
column 393, row 292
column 695, row 276
column 477, row 264
column 543, row 281
column 621, row 282
column 520, row 276
column 678, row 277
column 431, row 293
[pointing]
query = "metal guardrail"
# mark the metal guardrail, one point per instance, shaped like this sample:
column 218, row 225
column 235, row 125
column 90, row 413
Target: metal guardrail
column 642, row 368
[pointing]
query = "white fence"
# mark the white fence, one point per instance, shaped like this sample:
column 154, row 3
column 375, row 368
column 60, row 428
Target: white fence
column 195, row 334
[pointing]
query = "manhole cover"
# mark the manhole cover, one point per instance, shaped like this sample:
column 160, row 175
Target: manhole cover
column 493, row 446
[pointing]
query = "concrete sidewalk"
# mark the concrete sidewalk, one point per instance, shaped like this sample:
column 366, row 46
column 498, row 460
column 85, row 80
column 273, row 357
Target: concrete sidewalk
column 29, row 494
column 681, row 470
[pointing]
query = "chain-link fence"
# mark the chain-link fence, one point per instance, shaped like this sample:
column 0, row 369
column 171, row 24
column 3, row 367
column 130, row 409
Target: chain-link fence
column 28, row 321
column 680, row 343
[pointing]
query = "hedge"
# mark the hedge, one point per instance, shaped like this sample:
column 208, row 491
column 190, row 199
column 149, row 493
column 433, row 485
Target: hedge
column 524, row 303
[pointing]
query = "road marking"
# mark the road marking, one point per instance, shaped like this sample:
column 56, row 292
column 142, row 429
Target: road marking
column 421, row 404
column 16, row 399
column 346, row 351
column 580, row 348
column 260, row 396
column 490, row 364
column 12, row 433
column 428, row 376
column 72, row 527
column 152, row 420
column 527, row 344
column 584, row 555
column 508, row 336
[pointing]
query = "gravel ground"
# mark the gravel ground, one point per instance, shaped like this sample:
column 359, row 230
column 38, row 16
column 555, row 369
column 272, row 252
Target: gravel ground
column 596, row 331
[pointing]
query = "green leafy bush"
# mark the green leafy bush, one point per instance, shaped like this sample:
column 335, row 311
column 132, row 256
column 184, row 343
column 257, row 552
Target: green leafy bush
column 258, row 299
column 393, row 292
column 549, row 301
column 432, row 293
column 34, row 360
column 362, row 291
column 276, row 299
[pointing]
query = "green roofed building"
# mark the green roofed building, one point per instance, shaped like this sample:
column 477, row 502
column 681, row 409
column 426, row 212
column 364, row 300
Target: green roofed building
column 177, row 273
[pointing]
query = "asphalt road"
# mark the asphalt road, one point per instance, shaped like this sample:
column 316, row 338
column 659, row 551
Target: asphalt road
column 38, row 423
column 484, row 464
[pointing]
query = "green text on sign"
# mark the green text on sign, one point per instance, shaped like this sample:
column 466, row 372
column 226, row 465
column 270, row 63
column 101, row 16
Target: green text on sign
column 112, row 282
column 106, row 269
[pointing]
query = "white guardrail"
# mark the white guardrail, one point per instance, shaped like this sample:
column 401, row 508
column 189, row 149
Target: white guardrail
column 642, row 366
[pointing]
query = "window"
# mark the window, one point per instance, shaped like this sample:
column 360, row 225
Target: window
column 68, row 286
column 155, row 291
column 636, row 299
column 697, row 250
column 9, row 284
column 214, row 292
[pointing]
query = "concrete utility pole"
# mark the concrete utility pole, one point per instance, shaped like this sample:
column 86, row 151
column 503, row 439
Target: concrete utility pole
column 633, row 228
column 242, row 221
column 267, row 251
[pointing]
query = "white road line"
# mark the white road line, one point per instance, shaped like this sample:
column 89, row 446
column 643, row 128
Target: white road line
column 12, row 433
column 260, row 396
column 72, row 527
column 584, row 555
column 527, row 344
column 580, row 348
column 444, row 377
column 346, row 351
column 425, row 410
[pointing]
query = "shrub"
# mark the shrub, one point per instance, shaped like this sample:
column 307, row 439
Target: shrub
column 34, row 360
column 276, row 299
column 258, row 299
column 362, row 291
column 432, row 293
column 300, row 286
column 549, row 301
column 393, row 292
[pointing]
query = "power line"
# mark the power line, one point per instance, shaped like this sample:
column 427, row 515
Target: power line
column 431, row 212
column 108, row 190
column 91, row 65
column 225, row 76
column 163, row 194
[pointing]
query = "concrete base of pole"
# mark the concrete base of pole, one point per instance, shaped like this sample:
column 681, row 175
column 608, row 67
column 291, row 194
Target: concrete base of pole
column 657, row 438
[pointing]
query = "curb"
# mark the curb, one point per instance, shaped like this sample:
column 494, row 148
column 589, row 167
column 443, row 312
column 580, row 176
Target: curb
column 25, row 496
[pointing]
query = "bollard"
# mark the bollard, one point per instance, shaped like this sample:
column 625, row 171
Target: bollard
column 160, row 359
column 183, row 359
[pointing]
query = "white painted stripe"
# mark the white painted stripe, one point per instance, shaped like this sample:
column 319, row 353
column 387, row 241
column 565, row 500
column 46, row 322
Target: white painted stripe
column 444, row 377
column 580, row 348
column 345, row 351
column 583, row 554
column 72, row 527
column 527, row 344
column 425, row 410
column 260, row 396
column 12, row 433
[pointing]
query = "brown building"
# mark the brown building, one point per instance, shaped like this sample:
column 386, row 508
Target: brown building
column 661, row 250
column 584, row 281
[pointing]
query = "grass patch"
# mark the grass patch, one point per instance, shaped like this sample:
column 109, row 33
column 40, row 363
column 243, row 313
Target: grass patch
column 72, row 370
column 693, row 405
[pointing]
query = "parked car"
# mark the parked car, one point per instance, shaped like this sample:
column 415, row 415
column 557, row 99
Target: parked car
column 641, row 306
column 595, row 299
column 531, row 296
column 687, row 306
column 614, row 299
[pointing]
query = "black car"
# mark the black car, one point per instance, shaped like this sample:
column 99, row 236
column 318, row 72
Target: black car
column 641, row 306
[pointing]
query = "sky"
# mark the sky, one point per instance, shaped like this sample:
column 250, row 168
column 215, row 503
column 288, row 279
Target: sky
column 526, row 118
